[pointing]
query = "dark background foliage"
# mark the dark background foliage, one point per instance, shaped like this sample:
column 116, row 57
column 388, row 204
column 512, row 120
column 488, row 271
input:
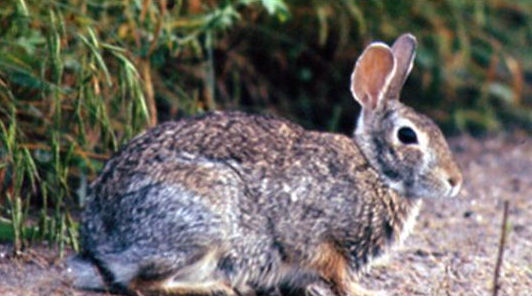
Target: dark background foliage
column 79, row 78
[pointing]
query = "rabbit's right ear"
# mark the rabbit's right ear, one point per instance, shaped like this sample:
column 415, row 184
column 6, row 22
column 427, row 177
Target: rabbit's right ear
column 404, row 50
column 372, row 75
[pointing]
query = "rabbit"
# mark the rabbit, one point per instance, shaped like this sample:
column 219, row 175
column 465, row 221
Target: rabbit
column 233, row 204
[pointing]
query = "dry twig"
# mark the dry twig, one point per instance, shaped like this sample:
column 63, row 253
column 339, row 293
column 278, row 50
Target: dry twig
column 501, row 250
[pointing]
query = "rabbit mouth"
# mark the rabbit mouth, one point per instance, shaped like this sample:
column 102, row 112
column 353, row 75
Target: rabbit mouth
column 454, row 190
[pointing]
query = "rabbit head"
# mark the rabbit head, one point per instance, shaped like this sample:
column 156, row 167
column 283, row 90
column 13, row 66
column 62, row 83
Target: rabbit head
column 407, row 148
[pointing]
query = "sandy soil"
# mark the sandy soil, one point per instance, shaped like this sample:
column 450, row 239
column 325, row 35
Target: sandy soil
column 452, row 251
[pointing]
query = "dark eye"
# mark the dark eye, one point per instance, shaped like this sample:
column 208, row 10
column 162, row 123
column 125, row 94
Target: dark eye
column 407, row 135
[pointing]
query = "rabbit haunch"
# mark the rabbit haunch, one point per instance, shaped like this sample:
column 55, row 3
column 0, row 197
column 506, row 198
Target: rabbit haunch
column 231, row 203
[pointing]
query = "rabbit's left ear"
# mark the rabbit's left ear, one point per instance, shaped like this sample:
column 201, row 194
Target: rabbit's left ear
column 404, row 51
column 372, row 75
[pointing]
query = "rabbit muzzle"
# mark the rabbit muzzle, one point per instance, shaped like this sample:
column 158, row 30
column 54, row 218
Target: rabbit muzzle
column 437, row 183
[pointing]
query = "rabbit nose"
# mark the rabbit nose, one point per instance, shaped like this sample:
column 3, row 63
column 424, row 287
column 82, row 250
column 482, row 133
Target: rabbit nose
column 455, row 182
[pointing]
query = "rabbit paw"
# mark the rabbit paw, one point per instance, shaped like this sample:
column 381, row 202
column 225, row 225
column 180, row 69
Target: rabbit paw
column 319, row 289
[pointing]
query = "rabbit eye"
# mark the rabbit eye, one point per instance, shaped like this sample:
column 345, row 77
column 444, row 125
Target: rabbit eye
column 407, row 135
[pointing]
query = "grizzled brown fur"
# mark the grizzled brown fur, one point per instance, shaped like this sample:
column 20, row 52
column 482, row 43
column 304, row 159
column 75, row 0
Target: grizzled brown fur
column 229, row 203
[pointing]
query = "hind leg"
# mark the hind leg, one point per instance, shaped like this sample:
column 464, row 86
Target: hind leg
column 214, row 288
column 200, row 277
column 159, row 238
column 184, row 273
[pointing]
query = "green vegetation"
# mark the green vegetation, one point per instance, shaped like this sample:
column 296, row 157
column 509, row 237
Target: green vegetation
column 79, row 78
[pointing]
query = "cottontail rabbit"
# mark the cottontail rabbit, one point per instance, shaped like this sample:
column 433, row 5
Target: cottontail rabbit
column 228, row 203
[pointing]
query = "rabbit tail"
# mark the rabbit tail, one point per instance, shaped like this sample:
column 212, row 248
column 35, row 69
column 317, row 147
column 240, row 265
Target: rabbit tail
column 84, row 274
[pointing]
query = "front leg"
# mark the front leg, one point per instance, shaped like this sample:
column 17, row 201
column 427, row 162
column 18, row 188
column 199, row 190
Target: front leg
column 337, row 277
column 320, row 288
column 355, row 289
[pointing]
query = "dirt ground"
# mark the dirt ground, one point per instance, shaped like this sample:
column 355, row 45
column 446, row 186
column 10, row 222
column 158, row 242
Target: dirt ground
column 452, row 251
